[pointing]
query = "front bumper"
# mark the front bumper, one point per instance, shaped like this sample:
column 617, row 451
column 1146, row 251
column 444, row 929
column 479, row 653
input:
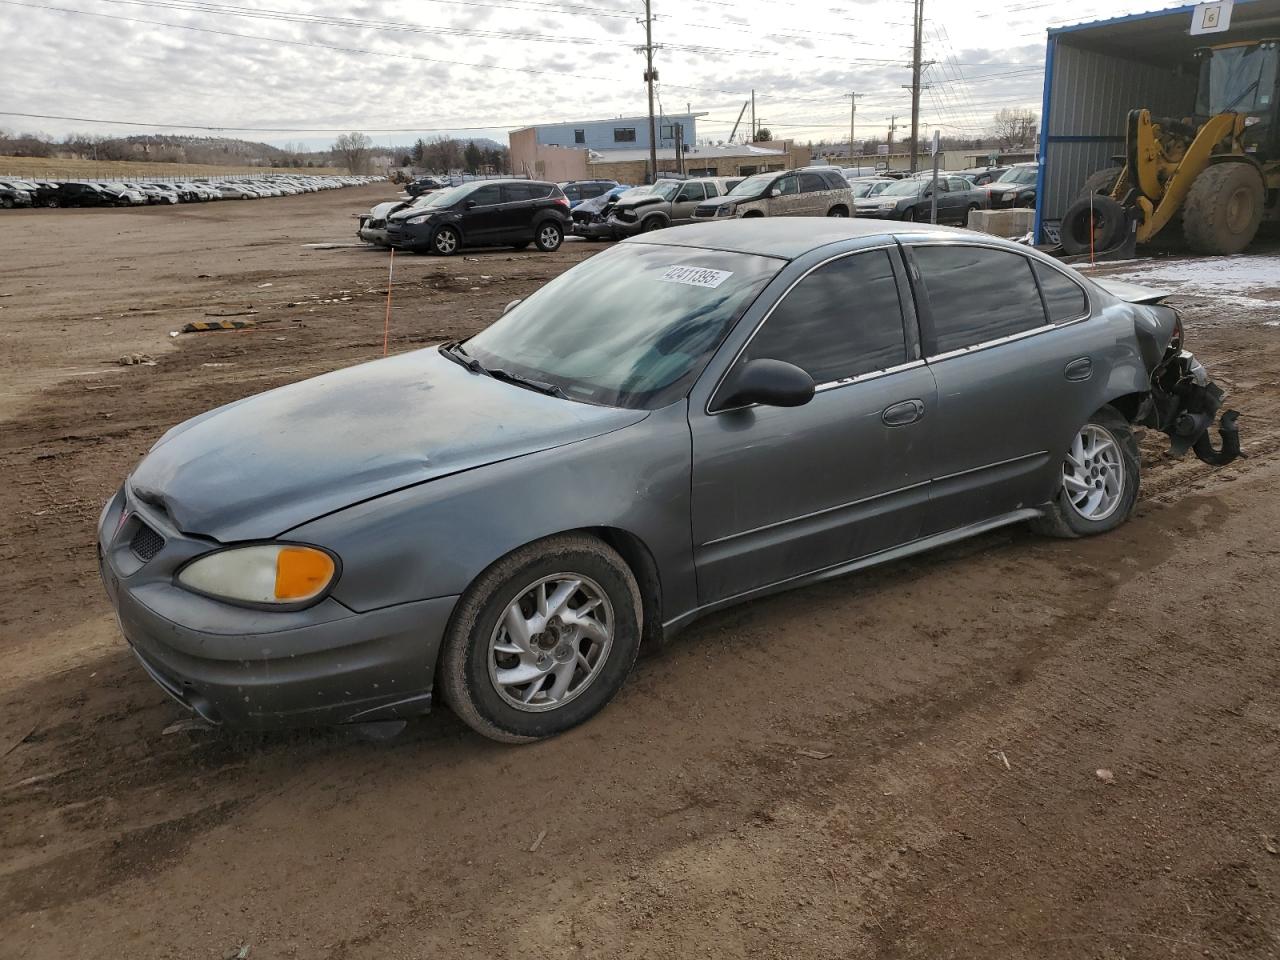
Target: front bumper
column 594, row 230
column 377, row 235
column 407, row 235
column 259, row 669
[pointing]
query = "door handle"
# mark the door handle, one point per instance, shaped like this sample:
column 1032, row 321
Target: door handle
column 1079, row 369
column 901, row 414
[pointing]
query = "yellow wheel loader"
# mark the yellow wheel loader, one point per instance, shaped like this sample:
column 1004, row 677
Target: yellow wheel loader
column 1216, row 172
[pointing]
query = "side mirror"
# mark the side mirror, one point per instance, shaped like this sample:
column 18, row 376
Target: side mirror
column 469, row 205
column 775, row 192
column 510, row 306
column 771, row 383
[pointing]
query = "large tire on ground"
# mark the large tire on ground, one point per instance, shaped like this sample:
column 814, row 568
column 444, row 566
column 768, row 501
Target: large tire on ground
column 542, row 640
column 1097, row 215
column 445, row 242
column 549, row 236
column 1223, row 209
column 1101, row 473
column 1104, row 181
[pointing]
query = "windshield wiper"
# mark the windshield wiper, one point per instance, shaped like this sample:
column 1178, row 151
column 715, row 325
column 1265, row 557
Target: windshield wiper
column 541, row 386
column 455, row 351
column 1243, row 93
column 458, row 354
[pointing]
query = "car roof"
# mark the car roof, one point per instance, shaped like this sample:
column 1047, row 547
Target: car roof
column 787, row 237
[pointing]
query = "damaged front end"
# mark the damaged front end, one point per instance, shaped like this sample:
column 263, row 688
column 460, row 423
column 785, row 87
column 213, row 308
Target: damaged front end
column 1184, row 403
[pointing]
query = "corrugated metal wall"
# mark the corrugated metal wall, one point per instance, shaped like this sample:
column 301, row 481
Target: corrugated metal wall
column 1090, row 96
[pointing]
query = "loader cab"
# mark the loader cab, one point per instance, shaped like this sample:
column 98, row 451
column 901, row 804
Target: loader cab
column 1244, row 78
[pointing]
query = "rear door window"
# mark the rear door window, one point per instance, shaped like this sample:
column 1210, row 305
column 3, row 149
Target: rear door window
column 959, row 184
column 811, row 183
column 843, row 320
column 517, row 192
column 976, row 294
column 486, row 196
column 1063, row 297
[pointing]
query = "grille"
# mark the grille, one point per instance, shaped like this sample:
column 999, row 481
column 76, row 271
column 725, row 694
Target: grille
column 704, row 212
column 146, row 543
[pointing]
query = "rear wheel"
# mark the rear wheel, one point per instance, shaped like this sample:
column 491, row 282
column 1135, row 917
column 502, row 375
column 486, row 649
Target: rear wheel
column 445, row 241
column 838, row 211
column 1223, row 209
column 542, row 640
column 549, row 237
column 1101, row 473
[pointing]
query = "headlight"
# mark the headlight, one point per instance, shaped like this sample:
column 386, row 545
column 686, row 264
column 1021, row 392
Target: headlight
column 725, row 210
column 269, row 574
column 1011, row 195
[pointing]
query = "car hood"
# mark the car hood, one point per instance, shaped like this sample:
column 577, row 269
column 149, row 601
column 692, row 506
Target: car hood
column 725, row 201
column 383, row 210
column 643, row 201
column 263, row 465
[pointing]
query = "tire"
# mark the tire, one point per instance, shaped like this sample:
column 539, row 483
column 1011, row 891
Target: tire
column 838, row 211
column 1108, row 225
column 469, row 664
column 445, row 242
column 652, row 224
column 1067, row 515
column 1104, row 181
column 1223, row 209
column 909, row 215
column 752, row 213
column 6, row 202
column 549, row 236
column 968, row 214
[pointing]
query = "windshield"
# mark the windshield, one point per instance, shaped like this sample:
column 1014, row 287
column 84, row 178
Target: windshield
column 631, row 327
column 666, row 189
column 636, row 192
column 869, row 189
column 752, row 186
column 1018, row 175
column 903, row 188
column 1238, row 78
column 447, row 198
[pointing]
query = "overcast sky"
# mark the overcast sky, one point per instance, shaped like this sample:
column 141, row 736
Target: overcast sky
column 439, row 66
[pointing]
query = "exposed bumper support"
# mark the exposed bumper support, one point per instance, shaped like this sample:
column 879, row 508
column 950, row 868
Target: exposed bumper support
column 1184, row 403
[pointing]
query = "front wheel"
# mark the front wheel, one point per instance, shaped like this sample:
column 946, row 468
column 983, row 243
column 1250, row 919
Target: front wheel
column 909, row 214
column 542, row 640
column 446, row 241
column 838, row 212
column 1101, row 473
column 550, row 236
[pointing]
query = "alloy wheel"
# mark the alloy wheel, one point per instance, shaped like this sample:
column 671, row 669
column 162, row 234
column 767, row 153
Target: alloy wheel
column 549, row 238
column 446, row 241
column 1093, row 473
column 551, row 642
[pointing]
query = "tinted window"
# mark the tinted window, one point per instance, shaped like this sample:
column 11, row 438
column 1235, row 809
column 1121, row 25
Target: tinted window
column 842, row 320
column 978, row 294
column 624, row 134
column 713, row 190
column 1064, row 298
column 590, row 190
column 519, row 192
column 811, row 183
column 835, row 181
column 488, row 194
column 692, row 191
column 579, row 136
column 787, row 185
column 959, row 183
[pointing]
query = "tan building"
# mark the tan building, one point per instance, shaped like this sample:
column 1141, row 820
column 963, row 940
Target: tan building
column 544, row 162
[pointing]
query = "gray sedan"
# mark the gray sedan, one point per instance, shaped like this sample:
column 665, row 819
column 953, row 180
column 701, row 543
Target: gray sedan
column 686, row 421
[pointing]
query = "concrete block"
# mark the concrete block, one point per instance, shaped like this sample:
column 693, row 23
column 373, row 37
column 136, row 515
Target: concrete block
column 1003, row 223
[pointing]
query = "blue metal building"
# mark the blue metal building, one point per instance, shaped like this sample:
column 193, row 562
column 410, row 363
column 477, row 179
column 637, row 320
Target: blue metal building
column 1095, row 73
column 622, row 133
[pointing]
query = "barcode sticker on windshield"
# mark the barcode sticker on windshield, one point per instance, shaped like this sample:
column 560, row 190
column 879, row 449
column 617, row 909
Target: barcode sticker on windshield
column 697, row 276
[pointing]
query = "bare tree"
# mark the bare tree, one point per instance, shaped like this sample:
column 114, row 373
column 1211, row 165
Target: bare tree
column 1014, row 128
column 353, row 149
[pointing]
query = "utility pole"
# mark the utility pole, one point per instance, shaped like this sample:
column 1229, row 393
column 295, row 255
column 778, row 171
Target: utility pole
column 853, row 113
column 650, row 75
column 915, row 83
column 893, row 128
column 753, row 117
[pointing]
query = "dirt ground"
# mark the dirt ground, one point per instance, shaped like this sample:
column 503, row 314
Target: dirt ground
column 1014, row 748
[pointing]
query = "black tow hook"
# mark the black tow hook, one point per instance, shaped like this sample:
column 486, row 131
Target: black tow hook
column 1203, row 446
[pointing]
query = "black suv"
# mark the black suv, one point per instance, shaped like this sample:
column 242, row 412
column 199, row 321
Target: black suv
column 488, row 213
column 82, row 195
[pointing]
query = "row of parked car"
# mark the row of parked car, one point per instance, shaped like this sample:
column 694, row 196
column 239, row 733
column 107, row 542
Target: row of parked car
column 443, row 219
column 134, row 193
